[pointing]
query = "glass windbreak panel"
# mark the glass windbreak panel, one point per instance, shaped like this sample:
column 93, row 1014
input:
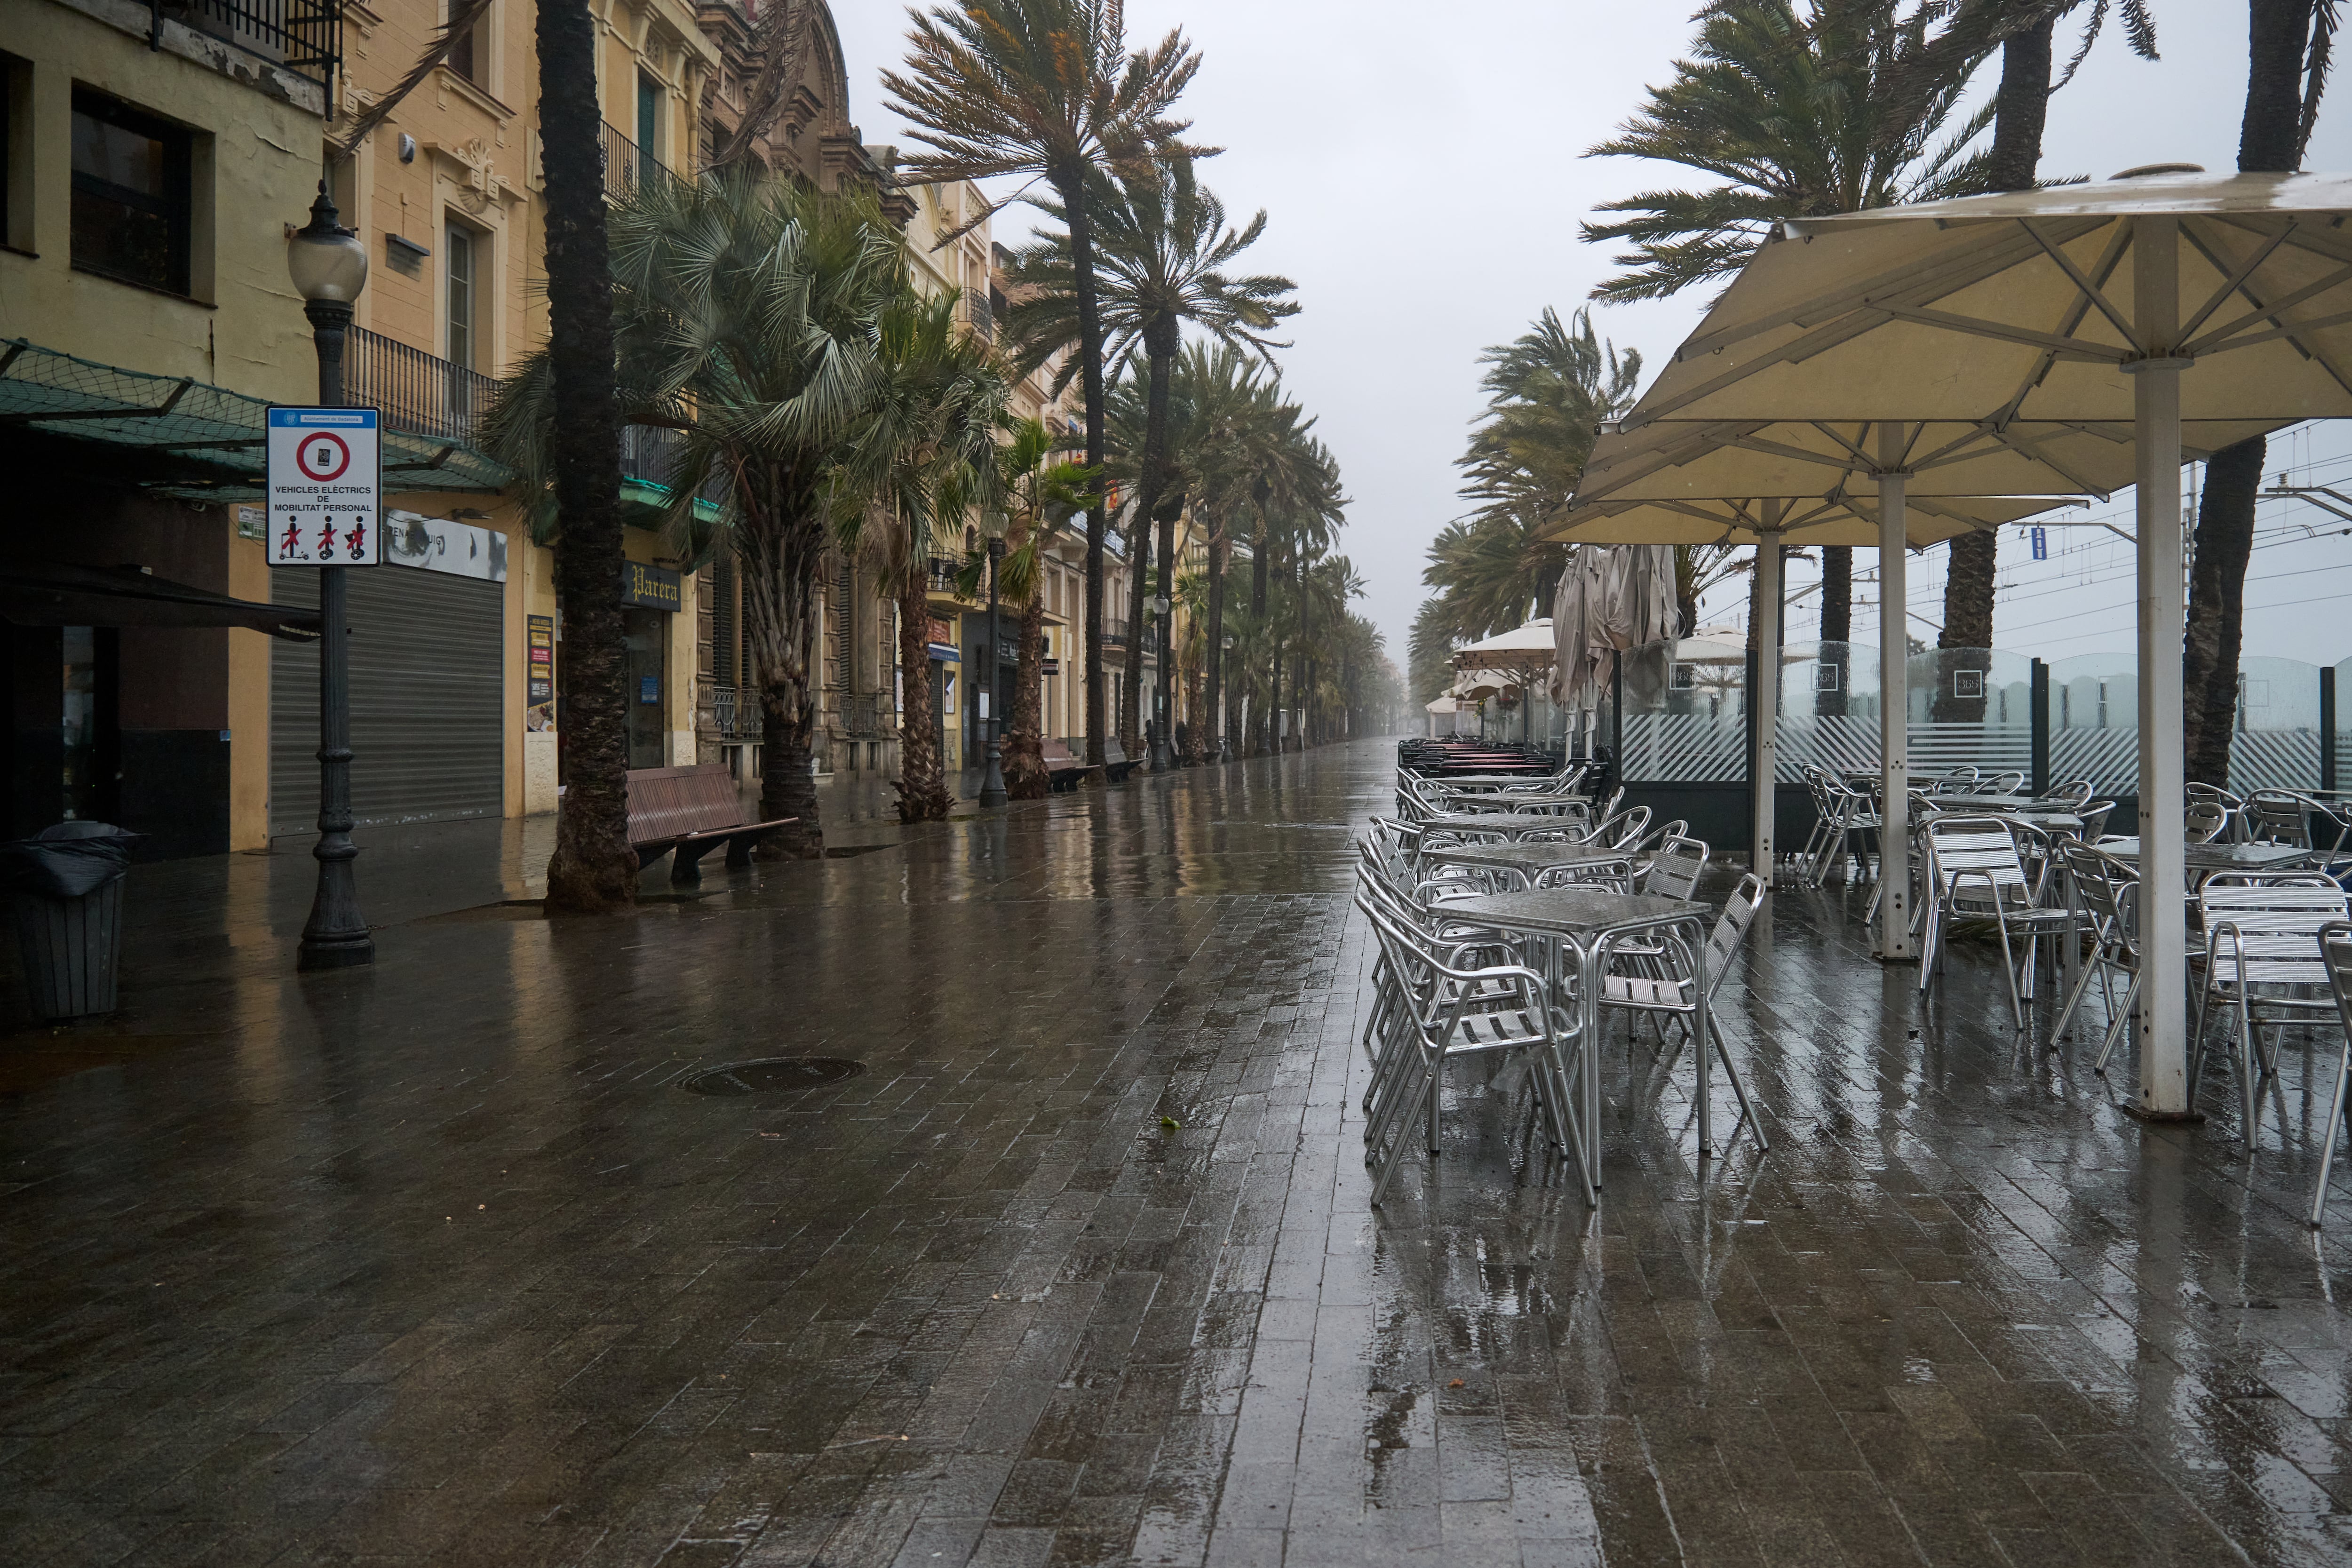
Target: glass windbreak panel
column 1970, row 706
column 1686, row 713
column 2343, row 713
column 2094, row 722
column 2275, row 742
column 1829, row 706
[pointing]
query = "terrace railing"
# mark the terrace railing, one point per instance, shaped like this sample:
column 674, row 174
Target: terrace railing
column 414, row 391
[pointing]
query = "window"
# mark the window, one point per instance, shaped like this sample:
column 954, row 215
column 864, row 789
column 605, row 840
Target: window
column 457, row 246
column 132, row 193
column 649, row 97
column 469, row 57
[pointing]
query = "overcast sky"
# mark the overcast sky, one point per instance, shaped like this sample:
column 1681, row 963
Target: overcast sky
column 1423, row 177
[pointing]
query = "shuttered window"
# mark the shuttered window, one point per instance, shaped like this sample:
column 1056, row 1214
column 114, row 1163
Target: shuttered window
column 427, row 700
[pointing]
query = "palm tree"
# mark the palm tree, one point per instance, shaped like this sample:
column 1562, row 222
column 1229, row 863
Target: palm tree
column 1039, row 496
column 923, row 452
column 593, row 867
column 2024, row 31
column 745, row 313
column 2289, row 45
column 1163, row 247
column 1802, row 114
column 1047, row 89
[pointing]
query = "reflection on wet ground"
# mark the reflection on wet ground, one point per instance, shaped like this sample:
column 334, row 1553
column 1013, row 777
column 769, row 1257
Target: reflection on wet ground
column 438, row 1263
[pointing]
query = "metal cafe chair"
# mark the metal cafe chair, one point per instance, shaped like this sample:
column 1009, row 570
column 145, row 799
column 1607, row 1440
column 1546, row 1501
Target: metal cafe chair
column 1823, row 787
column 2076, row 793
column 2335, row 955
column 2276, row 816
column 2231, row 806
column 1400, row 900
column 1853, row 820
column 2259, row 930
column 1956, row 780
column 2004, row 784
column 1978, row 874
column 2206, row 821
column 2108, row 891
column 1667, row 989
column 1446, row 1012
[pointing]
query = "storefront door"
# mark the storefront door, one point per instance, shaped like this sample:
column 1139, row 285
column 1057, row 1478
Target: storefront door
column 646, row 633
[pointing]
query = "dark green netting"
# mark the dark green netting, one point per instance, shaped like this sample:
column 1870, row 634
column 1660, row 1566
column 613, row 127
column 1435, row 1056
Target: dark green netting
column 206, row 442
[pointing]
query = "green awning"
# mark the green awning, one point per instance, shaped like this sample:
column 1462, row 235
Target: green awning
column 201, row 442
column 642, row 502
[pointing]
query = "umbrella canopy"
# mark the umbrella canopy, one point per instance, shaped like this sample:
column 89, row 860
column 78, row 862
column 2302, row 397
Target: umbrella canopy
column 2163, row 301
column 1850, row 520
column 1673, row 459
column 1609, row 599
column 1439, row 705
column 2021, row 310
column 1522, row 648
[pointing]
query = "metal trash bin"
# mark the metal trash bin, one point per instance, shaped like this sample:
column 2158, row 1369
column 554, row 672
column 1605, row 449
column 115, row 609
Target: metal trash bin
column 66, row 886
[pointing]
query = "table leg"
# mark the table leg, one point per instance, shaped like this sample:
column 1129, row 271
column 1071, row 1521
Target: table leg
column 1565, row 1089
column 1704, row 1043
column 1588, row 966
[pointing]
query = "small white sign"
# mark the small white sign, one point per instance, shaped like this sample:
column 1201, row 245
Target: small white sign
column 326, row 487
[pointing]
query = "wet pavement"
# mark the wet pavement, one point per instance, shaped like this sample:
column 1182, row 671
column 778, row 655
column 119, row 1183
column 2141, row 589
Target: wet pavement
column 437, row 1262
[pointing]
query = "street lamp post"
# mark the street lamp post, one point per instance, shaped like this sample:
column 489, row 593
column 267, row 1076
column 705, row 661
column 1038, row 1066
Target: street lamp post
column 1225, row 696
column 329, row 267
column 992, row 783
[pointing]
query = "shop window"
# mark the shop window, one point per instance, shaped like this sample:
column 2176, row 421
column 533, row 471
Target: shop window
column 132, row 194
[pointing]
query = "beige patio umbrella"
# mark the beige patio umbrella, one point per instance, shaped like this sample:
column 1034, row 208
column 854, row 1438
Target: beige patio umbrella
column 1515, row 658
column 1770, row 521
column 2076, row 306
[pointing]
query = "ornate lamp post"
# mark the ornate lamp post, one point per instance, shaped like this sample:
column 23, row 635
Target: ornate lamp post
column 1224, row 695
column 329, row 267
column 992, row 783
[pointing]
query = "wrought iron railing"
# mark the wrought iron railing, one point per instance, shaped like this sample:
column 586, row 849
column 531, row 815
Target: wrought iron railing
column 735, row 714
column 415, row 391
column 648, row 452
column 944, row 569
column 979, row 315
column 305, row 36
column 626, row 164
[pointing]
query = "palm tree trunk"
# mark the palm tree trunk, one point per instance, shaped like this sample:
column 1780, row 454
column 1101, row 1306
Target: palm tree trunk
column 1025, row 741
column 1837, row 622
column 2270, row 139
column 1215, row 653
column 781, row 567
column 1259, row 725
column 1070, row 183
column 2021, row 106
column 593, row 867
column 1967, row 624
column 1161, row 343
column 2209, row 677
column 923, row 771
column 1139, row 552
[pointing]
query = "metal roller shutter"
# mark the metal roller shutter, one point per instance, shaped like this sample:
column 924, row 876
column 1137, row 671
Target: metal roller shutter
column 427, row 698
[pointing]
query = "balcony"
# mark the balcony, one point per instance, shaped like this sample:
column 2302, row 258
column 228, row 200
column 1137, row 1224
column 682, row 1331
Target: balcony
column 735, row 715
column 304, row 37
column 649, row 453
column 979, row 315
column 943, row 571
column 626, row 164
column 415, row 391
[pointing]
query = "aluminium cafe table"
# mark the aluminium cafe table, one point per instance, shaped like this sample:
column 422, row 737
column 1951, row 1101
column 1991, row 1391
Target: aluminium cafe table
column 1531, row 861
column 1590, row 921
column 1502, row 823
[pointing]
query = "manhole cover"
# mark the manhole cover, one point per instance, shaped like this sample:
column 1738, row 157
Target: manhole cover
column 770, row 1075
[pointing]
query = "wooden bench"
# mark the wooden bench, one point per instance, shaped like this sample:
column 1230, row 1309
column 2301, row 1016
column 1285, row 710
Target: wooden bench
column 685, row 813
column 1117, row 764
column 1064, row 769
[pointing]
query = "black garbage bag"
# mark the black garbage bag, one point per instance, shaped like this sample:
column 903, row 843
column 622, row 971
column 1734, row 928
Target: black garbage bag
column 70, row 860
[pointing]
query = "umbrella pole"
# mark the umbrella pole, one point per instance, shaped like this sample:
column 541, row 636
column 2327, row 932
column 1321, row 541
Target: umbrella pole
column 1767, row 695
column 1893, row 705
column 2162, row 1023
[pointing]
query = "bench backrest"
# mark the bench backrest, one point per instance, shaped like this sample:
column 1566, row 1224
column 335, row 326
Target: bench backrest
column 666, row 802
column 1057, row 751
column 1112, row 753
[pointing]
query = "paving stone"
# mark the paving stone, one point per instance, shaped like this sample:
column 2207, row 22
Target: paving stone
column 432, row 1262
